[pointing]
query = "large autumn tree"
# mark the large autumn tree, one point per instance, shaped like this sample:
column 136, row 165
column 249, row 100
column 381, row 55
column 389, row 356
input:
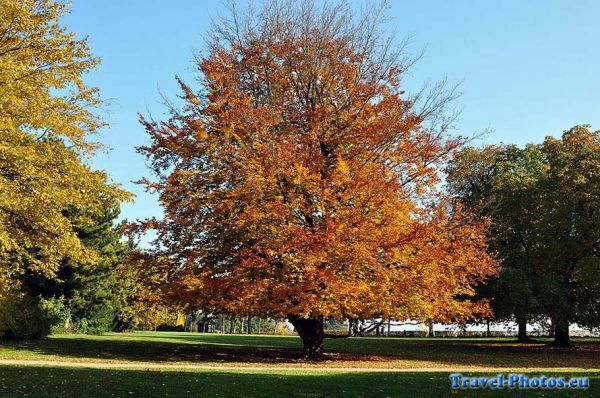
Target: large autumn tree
column 47, row 114
column 300, row 181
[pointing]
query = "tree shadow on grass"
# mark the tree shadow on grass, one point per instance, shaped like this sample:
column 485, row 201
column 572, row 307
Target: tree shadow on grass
column 199, row 348
column 149, row 350
column 262, row 341
column 38, row 382
column 478, row 352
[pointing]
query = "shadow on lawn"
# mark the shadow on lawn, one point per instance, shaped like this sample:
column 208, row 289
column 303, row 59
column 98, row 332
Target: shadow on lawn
column 181, row 347
column 97, row 383
column 153, row 350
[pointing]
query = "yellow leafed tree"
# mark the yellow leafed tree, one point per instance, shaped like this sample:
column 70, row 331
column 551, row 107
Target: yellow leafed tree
column 47, row 115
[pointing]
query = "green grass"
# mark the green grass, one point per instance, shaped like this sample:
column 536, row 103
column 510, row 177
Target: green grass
column 235, row 350
column 81, row 382
column 277, row 352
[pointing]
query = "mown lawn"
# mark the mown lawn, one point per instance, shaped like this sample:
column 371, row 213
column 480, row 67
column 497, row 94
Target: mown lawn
column 95, row 383
column 277, row 354
column 234, row 350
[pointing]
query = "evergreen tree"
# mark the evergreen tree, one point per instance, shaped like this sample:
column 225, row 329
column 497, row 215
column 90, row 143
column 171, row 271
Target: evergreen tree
column 94, row 292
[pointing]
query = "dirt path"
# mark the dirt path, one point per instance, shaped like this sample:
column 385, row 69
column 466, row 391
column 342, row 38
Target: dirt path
column 160, row 366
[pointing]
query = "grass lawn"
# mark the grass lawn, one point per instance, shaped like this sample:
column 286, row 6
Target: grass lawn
column 275, row 355
column 80, row 382
column 244, row 350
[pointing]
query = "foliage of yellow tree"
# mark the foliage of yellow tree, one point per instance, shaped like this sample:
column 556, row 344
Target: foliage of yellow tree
column 47, row 114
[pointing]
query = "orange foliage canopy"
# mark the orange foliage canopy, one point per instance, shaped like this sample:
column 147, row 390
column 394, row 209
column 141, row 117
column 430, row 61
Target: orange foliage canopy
column 299, row 180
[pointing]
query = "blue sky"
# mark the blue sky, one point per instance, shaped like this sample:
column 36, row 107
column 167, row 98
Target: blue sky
column 528, row 68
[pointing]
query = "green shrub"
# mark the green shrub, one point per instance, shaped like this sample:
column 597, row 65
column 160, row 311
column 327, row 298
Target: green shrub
column 164, row 327
column 26, row 317
column 98, row 321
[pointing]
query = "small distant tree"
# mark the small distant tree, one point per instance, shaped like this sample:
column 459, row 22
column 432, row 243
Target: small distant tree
column 146, row 304
column 301, row 182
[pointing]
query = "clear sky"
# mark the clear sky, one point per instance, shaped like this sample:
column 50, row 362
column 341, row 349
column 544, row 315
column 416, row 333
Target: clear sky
column 528, row 68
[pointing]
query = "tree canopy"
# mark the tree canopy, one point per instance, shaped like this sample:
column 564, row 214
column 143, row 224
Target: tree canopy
column 47, row 116
column 543, row 204
column 300, row 181
column 499, row 183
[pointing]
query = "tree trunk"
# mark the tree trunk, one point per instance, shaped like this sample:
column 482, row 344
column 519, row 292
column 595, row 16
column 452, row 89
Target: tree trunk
column 354, row 328
column 430, row 332
column 522, row 335
column 249, row 325
column 561, row 333
column 350, row 327
column 312, row 334
column 488, row 333
column 231, row 320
